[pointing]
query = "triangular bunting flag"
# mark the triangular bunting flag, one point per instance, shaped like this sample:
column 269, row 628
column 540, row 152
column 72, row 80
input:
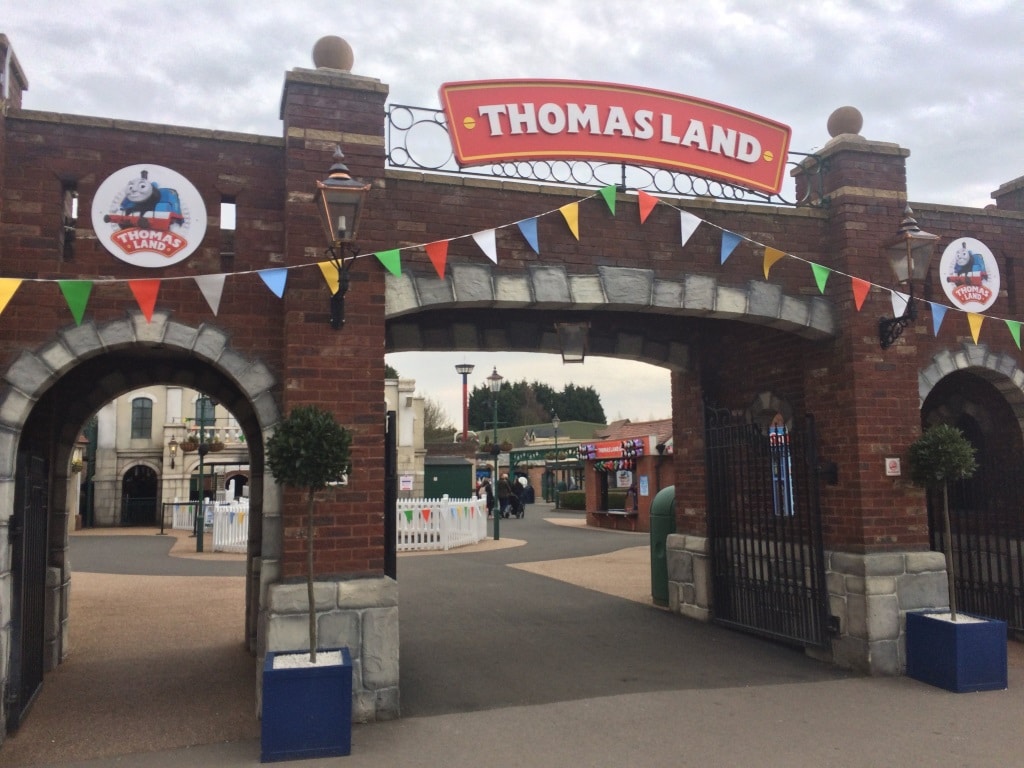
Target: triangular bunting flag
column 145, row 292
column 275, row 280
column 820, row 275
column 529, row 229
column 487, row 243
column 8, row 287
column 860, row 291
column 330, row 273
column 212, row 287
column 899, row 303
column 392, row 260
column 729, row 243
column 609, row 194
column 438, row 253
column 408, row 515
column 76, row 294
column 1014, row 327
column 426, row 514
column 571, row 214
column 688, row 224
column 647, row 203
column 975, row 320
column 938, row 315
column 771, row 255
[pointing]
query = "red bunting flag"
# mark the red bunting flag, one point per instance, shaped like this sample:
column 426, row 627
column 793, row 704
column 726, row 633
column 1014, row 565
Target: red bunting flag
column 145, row 292
column 860, row 291
column 647, row 203
column 438, row 253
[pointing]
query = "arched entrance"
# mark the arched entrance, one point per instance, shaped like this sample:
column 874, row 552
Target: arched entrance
column 97, row 365
column 139, row 496
column 981, row 399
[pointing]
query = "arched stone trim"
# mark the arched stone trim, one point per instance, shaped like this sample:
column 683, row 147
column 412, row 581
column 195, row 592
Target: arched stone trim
column 999, row 369
column 612, row 288
column 35, row 372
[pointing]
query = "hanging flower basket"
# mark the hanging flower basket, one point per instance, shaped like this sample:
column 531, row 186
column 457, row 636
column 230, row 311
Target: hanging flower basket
column 216, row 445
column 189, row 446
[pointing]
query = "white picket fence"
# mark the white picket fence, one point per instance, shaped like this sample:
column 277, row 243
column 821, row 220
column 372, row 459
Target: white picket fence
column 229, row 522
column 443, row 524
column 423, row 524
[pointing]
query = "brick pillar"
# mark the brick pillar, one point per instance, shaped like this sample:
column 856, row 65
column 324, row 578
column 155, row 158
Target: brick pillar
column 866, row 403
column 343, row 371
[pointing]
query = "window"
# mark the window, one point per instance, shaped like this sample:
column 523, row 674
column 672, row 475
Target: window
column 142, row 418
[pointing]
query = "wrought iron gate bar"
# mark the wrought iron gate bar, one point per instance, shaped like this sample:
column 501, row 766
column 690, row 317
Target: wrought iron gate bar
column 988, row 544
column 418, row 139
column 768, row 572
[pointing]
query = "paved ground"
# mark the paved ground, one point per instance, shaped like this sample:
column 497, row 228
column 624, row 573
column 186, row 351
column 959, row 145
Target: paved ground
column 538, row 650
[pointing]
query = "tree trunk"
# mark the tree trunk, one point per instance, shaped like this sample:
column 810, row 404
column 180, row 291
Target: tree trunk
column 309, row 580
column 948, row 539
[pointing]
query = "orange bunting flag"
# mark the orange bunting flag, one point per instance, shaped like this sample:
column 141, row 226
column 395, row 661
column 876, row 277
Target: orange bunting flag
column 571, row 214
column 438, row 253
column 145, row 292
column 860, row 291
column 647, row 203
column 771, row 255
column 8, row 287
column 975, row 320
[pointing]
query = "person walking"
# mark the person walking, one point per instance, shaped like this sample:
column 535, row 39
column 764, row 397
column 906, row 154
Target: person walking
column 504, row 492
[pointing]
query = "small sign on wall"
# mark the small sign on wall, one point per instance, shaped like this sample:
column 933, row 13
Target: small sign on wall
column 892, row 468
column 405, row 483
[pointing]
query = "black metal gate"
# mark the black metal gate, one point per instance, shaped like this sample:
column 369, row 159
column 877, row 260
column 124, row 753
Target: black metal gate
column 986, row 516
column 764, row 527
column 27, row 536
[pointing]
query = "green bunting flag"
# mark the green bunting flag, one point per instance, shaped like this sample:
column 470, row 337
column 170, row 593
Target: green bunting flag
column 76, row 294
column 609, row 193
column 392, row 260
column 820, row 275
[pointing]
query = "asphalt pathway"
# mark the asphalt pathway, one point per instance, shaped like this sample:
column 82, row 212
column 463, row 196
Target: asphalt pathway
column 540, row 650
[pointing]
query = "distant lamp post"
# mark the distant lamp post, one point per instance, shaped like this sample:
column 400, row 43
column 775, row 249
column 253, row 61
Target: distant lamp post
column 172, row 448
column 555, row 421
column 203, row 405
column 464, row 369
column 494, row 382
column 339, row 201
column 910, row 255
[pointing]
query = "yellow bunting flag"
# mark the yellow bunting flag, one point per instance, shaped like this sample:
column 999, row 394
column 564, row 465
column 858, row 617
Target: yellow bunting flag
column 975, row 320
column 330, row 273
column 571, row 213
column 8, row 287
column 771, row 255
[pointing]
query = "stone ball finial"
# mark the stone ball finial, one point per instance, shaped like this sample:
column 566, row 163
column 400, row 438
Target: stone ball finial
column 845, row 120
column 332, row 52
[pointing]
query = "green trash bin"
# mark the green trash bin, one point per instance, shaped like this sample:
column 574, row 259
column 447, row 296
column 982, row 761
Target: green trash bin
column 663, row 522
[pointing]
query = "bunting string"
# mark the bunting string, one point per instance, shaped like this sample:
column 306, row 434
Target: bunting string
column 77, row 292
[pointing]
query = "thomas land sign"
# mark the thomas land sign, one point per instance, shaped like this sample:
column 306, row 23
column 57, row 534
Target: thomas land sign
column 496, row 121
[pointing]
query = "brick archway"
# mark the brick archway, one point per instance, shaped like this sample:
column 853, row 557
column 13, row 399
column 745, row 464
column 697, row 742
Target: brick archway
column 999, row 369
column 48, row 393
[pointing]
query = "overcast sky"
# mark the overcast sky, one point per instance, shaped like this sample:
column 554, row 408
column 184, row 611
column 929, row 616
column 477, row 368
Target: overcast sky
column 944, row 79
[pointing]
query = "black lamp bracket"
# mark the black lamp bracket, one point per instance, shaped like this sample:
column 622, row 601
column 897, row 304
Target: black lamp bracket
column 890, row 329
column 343, row 264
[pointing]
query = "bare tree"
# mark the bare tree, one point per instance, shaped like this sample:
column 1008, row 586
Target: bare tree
column 437, row 425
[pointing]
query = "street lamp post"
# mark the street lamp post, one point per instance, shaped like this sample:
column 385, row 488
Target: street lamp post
column 465, row 369
column 203, row 404
column 555, row 421
column 494, row 380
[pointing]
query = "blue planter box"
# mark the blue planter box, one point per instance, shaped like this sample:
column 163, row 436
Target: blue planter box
column 307, row 712
column 960, row 657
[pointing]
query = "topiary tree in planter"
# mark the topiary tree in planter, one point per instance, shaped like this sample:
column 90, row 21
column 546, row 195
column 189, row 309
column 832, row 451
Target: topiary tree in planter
column 309, row 450
column 940, row 456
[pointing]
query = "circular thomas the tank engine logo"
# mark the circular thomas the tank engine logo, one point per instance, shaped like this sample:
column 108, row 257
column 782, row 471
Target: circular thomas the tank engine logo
column 970, row 275
column 149, row 216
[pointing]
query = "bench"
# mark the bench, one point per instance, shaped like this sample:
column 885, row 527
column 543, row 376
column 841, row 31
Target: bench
column 630, row 515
